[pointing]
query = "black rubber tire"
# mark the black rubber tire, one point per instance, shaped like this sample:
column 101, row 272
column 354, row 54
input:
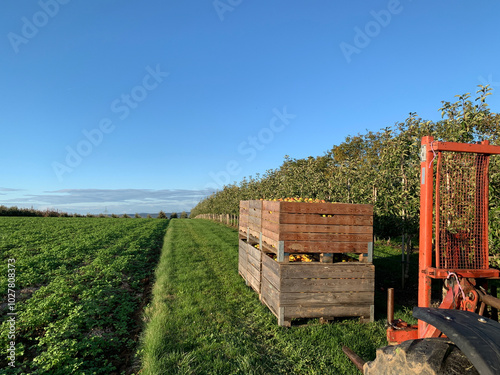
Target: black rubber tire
column 423, row 357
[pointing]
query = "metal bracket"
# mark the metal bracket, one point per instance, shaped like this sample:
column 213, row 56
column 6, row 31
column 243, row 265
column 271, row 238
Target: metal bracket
column 370, row 252
column 476, row 336
column 423, row 153
column 281, row 251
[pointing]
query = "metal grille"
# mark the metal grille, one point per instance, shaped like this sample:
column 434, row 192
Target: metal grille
column 462, row 211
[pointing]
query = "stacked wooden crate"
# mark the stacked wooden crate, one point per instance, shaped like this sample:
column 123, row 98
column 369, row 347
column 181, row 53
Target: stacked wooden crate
column 317, row 227
column 336, row 286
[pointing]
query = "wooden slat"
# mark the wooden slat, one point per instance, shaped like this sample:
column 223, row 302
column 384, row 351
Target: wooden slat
column 253, row 271
column 256, row 221
column 253, row 262
column 322, row 208
column 253, row 252
column 286, row 218
column 270, row 234
column 270, row 296
column 269, row 244
column 318, row 228
column 242, row 270
column 354, row 270
column 327, row 285
column 365, row 233
column 254, row 234
column 244, row 205
column 270, row 263
column 255, row 204
column 318, row 247
column 242, row 260
column 254, row 283
column 298, row 247
column 327, row 208
column 330, row 237
column 326, row 311
column 270, row 272
column 271, row 205
column 305, row 299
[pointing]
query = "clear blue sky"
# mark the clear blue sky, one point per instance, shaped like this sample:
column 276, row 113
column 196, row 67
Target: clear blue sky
column 137, row 106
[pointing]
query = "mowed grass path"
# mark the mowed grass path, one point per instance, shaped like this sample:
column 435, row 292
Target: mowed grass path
column 203, row 319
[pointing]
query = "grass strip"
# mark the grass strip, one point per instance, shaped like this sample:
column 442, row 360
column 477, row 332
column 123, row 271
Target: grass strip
column 203, row 319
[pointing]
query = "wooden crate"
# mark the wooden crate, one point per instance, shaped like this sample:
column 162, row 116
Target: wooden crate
column 317, row 227
column 318, row 290
column 250, row 263
column 250, row 218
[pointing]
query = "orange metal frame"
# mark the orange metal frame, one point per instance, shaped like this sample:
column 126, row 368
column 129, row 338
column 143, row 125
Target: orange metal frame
column 427, row 272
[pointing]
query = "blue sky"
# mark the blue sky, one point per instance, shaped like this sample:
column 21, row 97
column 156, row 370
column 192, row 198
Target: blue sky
column 137, row 106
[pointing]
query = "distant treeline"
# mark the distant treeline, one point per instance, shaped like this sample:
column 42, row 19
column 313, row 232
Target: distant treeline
column 15, row 211
column 382, row 169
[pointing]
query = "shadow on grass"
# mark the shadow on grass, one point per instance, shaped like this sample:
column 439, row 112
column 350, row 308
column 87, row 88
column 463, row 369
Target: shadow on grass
column 389, row 274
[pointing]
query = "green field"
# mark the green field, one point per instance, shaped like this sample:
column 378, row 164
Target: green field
column 79, row 286
column 83, row 303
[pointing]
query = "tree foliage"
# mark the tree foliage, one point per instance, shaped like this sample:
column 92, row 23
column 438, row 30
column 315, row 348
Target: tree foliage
column 379, row 168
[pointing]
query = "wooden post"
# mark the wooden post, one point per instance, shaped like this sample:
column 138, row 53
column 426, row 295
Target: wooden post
column 494, row 312
column 403, row 261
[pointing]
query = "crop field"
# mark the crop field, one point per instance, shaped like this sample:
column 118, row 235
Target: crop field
column 72, row 292
column 83, row 304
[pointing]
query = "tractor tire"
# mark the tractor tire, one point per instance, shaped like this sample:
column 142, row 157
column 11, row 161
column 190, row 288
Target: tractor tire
column 435, row 356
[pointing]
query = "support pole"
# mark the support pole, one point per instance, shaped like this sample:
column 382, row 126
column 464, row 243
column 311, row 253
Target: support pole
column 390, row 306
column 426, row 219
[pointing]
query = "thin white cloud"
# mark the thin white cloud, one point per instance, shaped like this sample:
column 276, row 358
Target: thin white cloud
column 9, row 189
column 114, row 200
